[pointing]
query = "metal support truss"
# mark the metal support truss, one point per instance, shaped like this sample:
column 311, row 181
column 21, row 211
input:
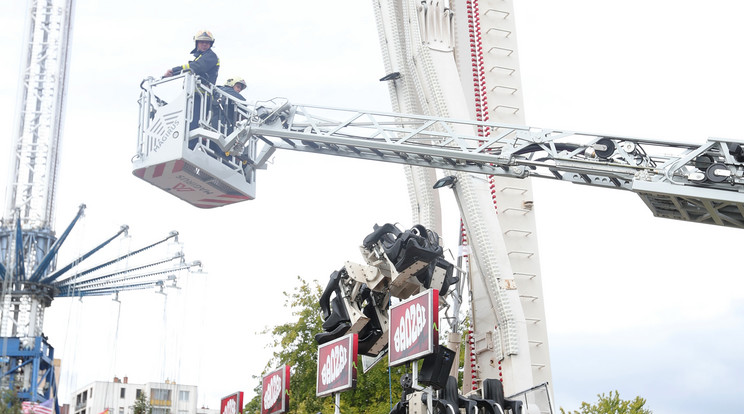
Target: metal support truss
column 28, row 364
column 41, row 94
column 699, row 183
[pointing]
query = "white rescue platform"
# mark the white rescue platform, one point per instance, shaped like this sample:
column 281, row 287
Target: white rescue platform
column 188, row 163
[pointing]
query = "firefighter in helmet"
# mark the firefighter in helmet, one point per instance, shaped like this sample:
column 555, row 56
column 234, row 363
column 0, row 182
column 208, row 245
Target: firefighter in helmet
column 206, row 64
column 233, row 87
column 224, row 109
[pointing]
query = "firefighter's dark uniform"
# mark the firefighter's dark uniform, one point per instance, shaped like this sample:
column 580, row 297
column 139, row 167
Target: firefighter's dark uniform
column 224, row 109
column 206, row 65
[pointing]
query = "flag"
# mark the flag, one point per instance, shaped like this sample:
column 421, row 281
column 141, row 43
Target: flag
column 104, row 411
column 47, row 407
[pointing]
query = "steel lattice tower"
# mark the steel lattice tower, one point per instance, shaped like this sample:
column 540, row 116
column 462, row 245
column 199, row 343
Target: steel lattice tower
column 40, row 112
column 28, row 244
column 26, row 234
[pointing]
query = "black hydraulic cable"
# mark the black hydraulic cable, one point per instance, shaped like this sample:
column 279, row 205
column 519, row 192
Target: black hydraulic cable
column 51, row 278
column 538, row 147
column 118, row 259
column 49, row 258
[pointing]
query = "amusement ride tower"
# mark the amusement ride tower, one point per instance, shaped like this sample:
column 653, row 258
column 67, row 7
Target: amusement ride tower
column 26, row 235
column 29, row 278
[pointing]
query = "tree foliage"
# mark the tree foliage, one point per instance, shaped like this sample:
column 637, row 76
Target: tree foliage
column 9, row 401
column 141, row 405
column 612, row 404
column 294, row 344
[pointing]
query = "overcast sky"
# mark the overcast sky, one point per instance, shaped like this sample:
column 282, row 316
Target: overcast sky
column 647, row 306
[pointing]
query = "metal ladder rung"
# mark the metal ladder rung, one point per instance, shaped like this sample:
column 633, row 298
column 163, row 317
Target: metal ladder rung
column 502, row 68
column 513, row 109
column 522, row 190
column 528, row 254
column 529, row 297
column 527, row 275
column 506, row 33
column 536, row 343
column 524, row 232
column 518, row 210
column 513, row 90
column 504, row 49
column 501, row 12
column 533, row 320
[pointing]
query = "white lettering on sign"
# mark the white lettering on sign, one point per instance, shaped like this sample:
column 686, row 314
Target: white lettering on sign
column 231, row 407
column 334, row 364
column 411, row 325
column 272, row 391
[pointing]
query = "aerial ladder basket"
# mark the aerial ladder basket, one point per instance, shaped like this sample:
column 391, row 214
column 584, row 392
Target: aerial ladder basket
column 180, row 121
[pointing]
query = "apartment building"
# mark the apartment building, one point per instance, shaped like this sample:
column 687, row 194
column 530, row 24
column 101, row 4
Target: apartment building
column 119, row 396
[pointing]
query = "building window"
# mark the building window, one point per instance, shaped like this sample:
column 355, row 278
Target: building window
column 121, row 410
column 122, row 392
column 138, row 393
column 90, row 393
column 82, row 399
column 183, row 395
column 160, row 396
column 160, row 410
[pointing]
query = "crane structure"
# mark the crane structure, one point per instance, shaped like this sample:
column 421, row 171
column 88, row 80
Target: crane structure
column 29, row 280
column 453, row 73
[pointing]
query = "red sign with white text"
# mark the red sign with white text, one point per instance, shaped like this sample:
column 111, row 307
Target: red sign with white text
column 232, row 404
column 413, row 333
column 275, row 394
column 337, row 365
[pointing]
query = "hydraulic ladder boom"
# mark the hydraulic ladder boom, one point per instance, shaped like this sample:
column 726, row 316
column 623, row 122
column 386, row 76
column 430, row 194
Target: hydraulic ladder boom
column 698, row 183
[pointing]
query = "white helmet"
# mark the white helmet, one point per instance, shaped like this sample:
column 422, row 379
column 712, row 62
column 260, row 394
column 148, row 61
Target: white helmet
column 204, row 35
column 235, row 81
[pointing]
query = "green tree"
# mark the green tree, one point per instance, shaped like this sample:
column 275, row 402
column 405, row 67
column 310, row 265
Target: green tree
column 612, row 404
column 9, row 401
column 294, row 344
column 141, row 405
